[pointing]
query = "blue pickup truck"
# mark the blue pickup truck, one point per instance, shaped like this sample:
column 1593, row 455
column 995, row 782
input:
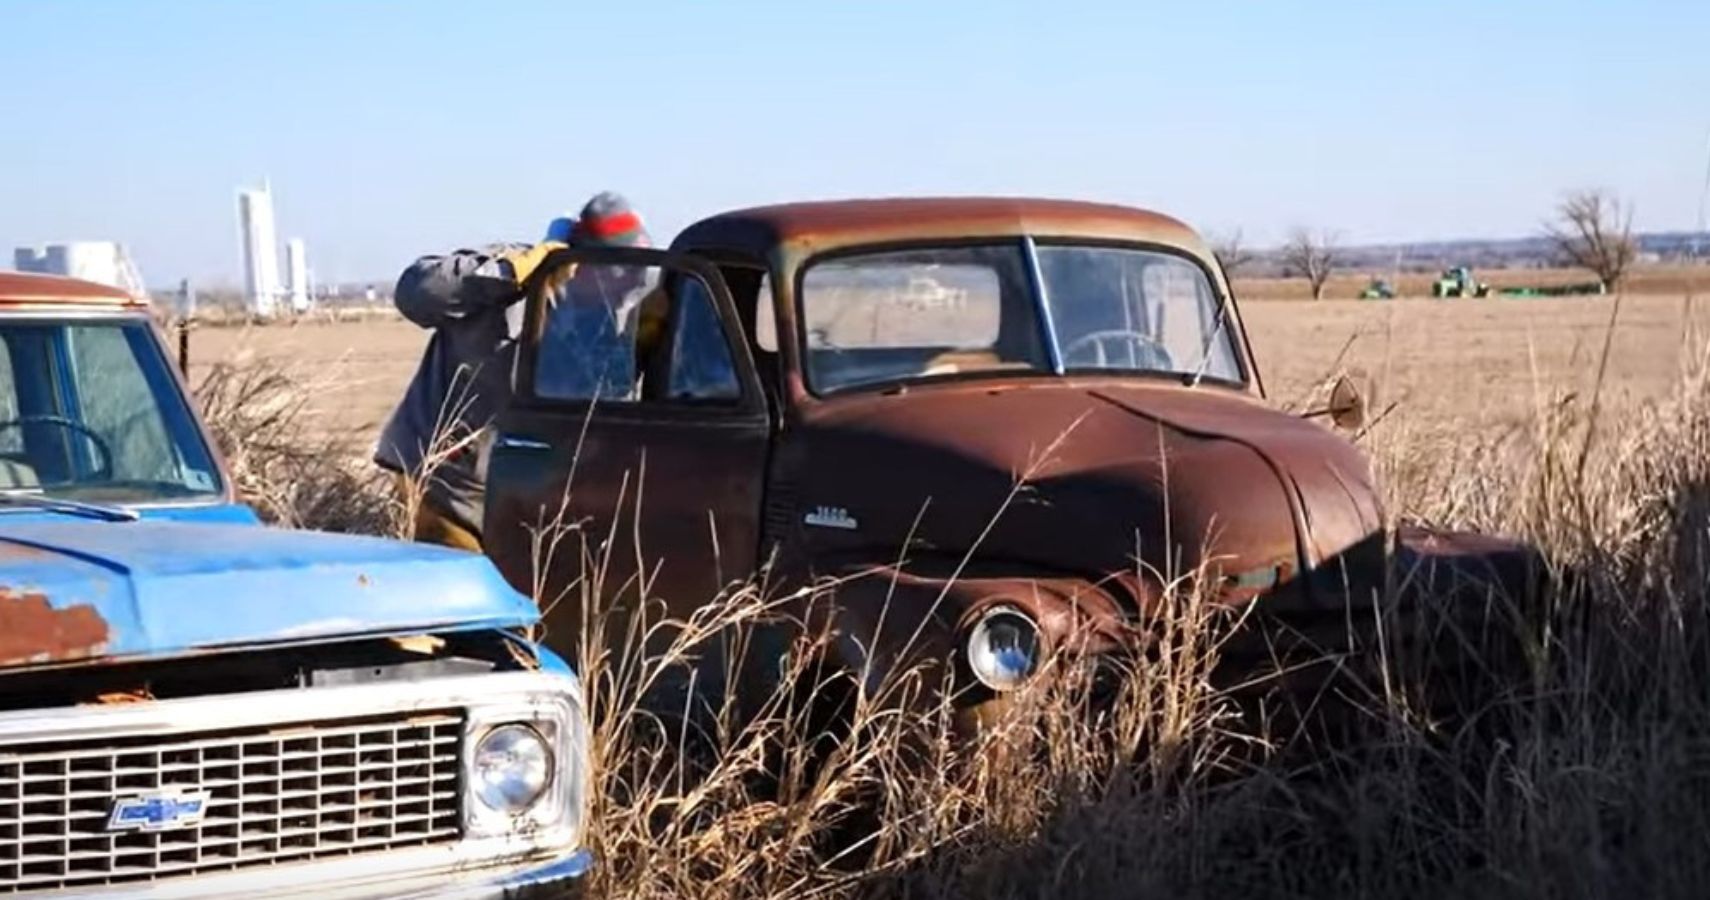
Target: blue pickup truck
column 193, row 704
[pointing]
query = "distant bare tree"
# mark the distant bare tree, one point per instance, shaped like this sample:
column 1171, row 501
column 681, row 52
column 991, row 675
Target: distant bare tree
column 1594, row 230
column 1311, row 256
column 1231, row 253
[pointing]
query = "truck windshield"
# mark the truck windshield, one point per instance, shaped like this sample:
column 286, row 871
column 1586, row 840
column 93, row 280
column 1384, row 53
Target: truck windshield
column 89, row 411
column 907, row 315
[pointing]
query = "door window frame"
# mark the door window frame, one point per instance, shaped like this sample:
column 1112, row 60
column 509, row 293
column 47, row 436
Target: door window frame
column 750, row 404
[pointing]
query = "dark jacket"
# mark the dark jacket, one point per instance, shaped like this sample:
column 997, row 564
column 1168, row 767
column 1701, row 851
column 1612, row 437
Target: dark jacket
column 471, row 301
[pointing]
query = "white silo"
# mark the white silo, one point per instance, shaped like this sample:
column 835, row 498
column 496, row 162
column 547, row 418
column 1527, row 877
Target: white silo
column 103, row 262
column 297, row 274
column 260, row 249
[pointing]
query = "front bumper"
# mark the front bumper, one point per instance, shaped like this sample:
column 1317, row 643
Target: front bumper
column 563, row 878
column 567, row 878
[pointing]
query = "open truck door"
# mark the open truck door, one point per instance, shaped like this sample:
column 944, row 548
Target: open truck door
column 631, row 461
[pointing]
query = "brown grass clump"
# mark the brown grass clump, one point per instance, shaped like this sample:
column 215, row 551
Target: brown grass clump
column 1590, row 779
column 292, row 473
column 1073, row 794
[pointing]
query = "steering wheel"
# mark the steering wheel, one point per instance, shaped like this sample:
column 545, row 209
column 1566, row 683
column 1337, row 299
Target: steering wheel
column 103, row 471
column 1148, row 346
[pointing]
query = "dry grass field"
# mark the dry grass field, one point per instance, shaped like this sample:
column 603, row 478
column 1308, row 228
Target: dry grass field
column 1479, row 364
column 1447, row 365
column 356, row 371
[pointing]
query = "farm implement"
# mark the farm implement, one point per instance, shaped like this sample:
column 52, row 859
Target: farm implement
column 1459, row 282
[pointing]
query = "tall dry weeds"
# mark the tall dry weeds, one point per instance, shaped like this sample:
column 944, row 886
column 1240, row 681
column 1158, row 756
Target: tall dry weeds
column 1589, row 780
column 293, row 473
column 1592, row 779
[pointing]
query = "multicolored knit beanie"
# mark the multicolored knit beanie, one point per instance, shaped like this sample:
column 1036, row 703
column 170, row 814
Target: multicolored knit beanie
column 608, row 220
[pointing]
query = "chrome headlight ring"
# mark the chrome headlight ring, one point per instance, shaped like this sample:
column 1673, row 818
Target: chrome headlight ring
column 511, row 768
column 1003, row 648
column 525, row 765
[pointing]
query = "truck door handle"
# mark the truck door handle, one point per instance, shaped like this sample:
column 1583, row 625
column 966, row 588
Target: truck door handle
column 513, row 442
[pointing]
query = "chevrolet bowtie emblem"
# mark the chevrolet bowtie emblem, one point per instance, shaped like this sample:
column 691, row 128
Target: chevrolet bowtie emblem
column 158, row 811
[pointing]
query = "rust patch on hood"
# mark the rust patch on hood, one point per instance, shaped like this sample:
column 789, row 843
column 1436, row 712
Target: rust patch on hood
column 32, row 630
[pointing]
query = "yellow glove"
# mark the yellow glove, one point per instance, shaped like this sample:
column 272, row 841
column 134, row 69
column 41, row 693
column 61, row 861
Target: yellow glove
column 650, row 321
column 523, row 262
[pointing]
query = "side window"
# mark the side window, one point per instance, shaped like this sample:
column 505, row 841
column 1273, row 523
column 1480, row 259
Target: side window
column 701, row 364
column 628, row 333
column 599, row 320
column 116, row 402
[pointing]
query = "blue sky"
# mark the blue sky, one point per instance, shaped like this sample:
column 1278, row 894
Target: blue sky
column 393, row 129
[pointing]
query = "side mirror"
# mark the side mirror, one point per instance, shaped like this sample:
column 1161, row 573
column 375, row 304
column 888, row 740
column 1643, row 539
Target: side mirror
column 1349, row 404
column 1350, row 401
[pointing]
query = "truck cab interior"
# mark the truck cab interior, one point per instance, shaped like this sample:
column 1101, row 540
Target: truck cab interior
column 88, row 406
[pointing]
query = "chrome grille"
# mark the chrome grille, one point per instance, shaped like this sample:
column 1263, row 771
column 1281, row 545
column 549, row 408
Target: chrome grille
column 282, row 793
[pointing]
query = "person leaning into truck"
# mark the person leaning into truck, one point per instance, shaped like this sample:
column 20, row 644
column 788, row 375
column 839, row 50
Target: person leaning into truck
column 470, row 299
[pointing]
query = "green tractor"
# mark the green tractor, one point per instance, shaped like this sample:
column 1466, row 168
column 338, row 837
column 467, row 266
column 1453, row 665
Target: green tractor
column 1458, row 282
column 1378, row 289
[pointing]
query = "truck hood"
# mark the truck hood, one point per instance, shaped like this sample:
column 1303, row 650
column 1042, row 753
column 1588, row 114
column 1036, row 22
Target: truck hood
column 74, row 589
column 1122, row 475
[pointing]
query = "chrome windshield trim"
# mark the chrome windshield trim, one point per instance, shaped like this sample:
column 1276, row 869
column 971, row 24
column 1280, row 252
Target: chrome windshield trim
column 546, row 695
column 139, row 507
column 36, row 500
column 1042, row 302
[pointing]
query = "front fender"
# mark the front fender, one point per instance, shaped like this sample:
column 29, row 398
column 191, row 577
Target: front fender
column 882, row 619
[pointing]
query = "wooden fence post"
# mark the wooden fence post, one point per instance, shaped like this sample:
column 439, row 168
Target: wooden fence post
column 184, row 346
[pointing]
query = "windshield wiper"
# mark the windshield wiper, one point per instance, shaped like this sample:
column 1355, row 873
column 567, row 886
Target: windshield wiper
column 1205, row 351
column 35, row 500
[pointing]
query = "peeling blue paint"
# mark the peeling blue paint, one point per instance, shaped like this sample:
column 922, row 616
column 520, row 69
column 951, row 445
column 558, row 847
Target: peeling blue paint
column 171, row 587
column 228, row 513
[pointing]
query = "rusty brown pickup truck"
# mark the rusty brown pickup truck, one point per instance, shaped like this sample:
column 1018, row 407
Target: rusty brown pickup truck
column 853, row 390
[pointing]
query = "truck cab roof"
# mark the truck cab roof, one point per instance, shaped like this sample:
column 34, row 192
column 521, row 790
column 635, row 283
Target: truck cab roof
column 32, row 289
column 826, row 224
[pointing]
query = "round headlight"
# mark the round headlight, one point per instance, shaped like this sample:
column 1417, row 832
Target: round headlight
column 511, row 769
column 1003, row 648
